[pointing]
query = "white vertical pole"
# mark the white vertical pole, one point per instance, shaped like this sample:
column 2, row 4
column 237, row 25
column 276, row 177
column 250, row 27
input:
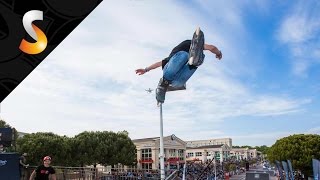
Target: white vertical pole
column 215, row 169
column 184, row 171
column 161, row 155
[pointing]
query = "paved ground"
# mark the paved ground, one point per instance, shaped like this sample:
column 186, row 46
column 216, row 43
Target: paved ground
column 238, row 177
column 243, row 175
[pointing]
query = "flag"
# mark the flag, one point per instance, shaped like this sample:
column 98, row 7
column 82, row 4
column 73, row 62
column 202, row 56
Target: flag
column 285, row 168
column 315, row 165
column 290, row 169
column 279, row 169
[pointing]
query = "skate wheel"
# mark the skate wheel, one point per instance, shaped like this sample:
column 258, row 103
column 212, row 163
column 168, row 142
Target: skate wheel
column 191, row 60
column 198, row 31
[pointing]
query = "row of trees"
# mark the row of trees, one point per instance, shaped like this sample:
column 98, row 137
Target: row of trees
column 299, row 149
column 86, row 148
column 263, row 149
column 110, row 148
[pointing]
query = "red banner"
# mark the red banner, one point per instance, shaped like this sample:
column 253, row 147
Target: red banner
column 173, row 159
column 146, row 160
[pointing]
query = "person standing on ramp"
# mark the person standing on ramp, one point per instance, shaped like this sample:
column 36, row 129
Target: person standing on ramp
column 182, row 62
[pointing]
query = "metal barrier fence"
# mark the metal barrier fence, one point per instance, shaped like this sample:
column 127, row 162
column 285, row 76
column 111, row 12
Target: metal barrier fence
column 103, row 173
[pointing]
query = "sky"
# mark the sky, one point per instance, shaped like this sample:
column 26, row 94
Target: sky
column 265, row 87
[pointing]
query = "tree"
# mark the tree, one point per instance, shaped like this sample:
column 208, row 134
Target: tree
column 4, row 124
column 300, row 149
column 84, row 148
column 263, row 149
column 126, row 149
column 38, row 145
column 229, row 167
column 106, row 148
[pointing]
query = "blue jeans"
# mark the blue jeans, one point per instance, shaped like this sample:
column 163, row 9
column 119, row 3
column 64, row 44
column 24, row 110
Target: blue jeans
column 177, row 71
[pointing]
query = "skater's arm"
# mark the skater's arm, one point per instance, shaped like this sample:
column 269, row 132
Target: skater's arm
column 213, row 49
column 152, row 66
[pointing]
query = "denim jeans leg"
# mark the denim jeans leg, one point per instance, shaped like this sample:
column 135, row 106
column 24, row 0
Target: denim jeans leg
column 175, row 64
column 183, row 76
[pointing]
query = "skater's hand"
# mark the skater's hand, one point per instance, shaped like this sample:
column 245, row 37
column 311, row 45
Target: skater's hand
column 219, row 55
column 140, row 71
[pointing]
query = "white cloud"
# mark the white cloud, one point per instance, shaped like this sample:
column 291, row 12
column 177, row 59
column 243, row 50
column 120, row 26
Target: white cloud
column 299, row 30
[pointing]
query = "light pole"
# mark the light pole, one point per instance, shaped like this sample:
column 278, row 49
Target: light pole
column 161, row 155
column 215, row 169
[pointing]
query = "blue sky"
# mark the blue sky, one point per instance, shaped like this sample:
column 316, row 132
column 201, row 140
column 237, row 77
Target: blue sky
column 266, row 86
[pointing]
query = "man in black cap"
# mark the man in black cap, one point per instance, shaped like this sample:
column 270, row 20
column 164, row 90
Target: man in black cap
column 42, row 172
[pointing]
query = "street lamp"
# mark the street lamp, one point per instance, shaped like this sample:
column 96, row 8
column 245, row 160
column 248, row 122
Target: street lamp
column 215, row 169
column 161, row 155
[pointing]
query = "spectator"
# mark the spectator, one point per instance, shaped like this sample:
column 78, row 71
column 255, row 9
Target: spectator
column 23, row 165
column 42, row 172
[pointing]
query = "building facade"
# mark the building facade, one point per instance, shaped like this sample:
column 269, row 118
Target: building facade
column 148, row 151
column 205, row 153
column 243, row 153
column 221, row 141
column 177, row 151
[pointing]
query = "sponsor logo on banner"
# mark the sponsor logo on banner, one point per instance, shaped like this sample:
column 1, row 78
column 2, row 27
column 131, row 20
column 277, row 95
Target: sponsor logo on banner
column 3, row 162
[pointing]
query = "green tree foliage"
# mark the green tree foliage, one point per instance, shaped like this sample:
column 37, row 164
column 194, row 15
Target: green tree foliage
column 4, row 124
column 86, row 148
column 126, row 149
column 107, row 148
column 300, row 149
column 229, row 166
column 38, row 145
column 263, row 149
